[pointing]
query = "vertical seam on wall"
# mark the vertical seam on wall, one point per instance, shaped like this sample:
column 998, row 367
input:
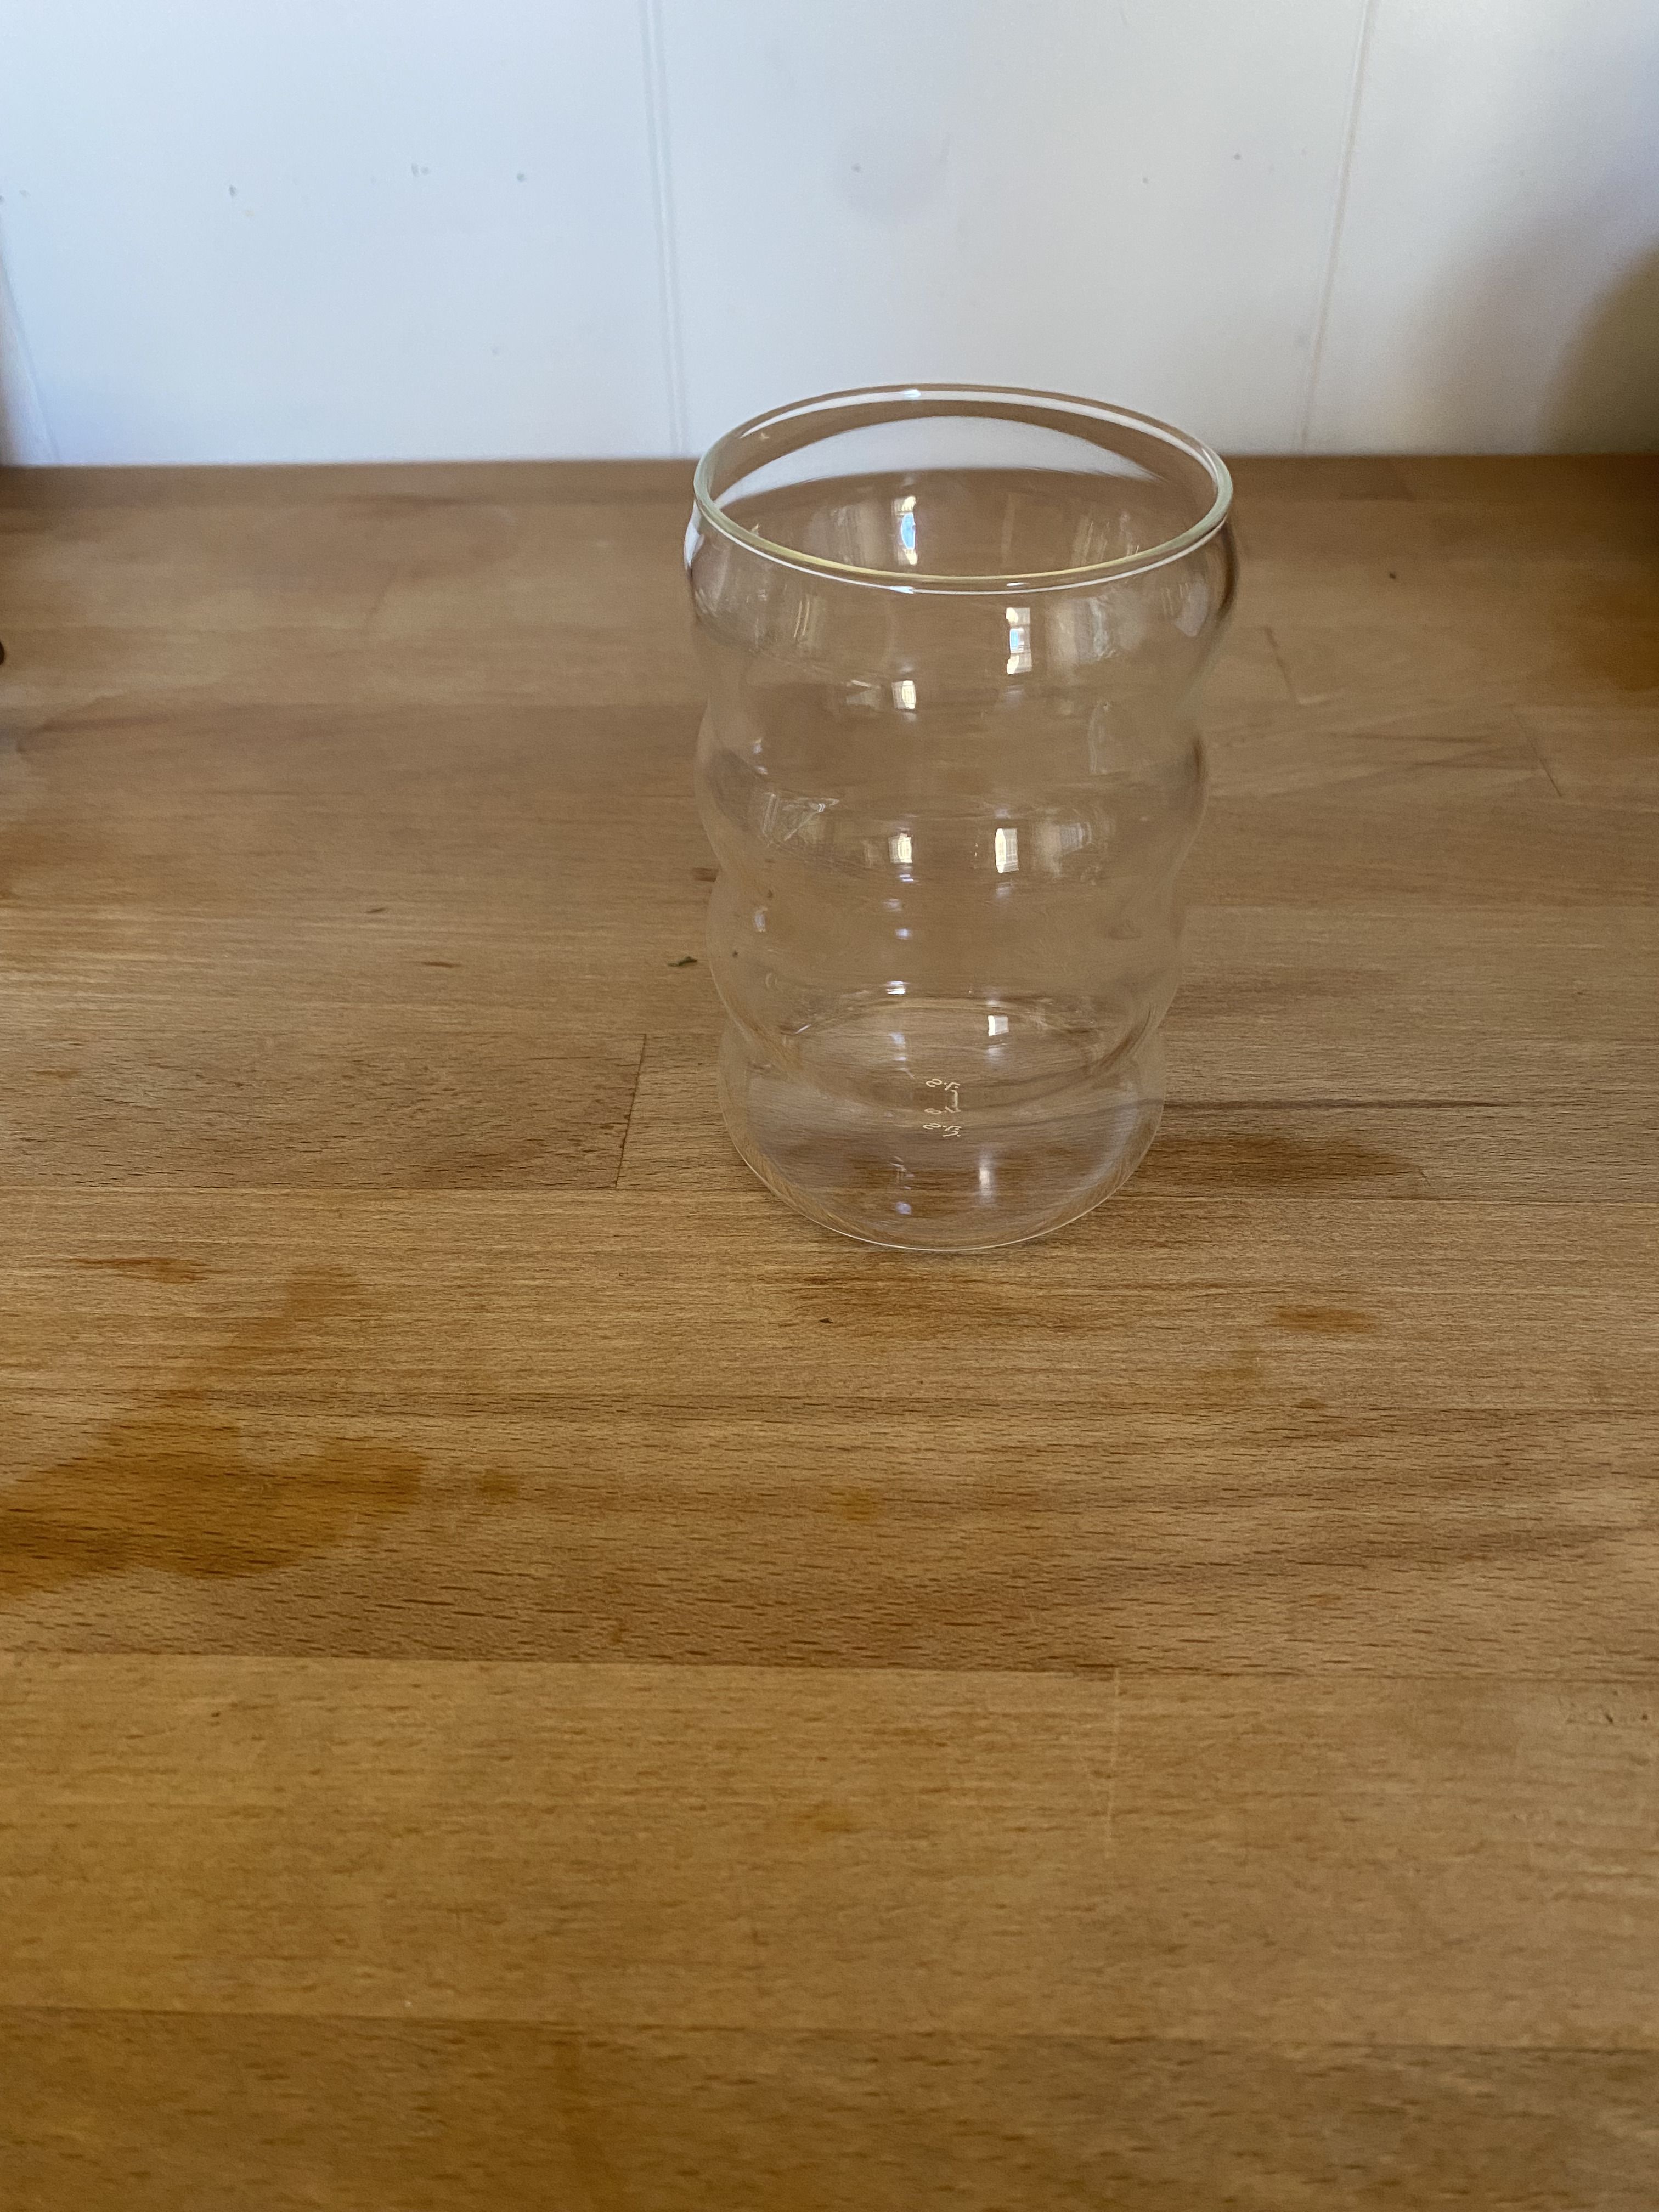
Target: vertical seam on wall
column 16, row 343
column 1338, row 216
column 662, row 192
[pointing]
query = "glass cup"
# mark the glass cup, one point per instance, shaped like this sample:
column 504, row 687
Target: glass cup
column 953, row 638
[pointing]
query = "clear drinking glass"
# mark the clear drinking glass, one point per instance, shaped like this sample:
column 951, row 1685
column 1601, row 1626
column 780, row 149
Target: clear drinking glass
column 953, row 637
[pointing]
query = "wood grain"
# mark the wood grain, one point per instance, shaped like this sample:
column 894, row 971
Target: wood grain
column 1146, row 1856
column 530, row 1675
column 109, row 2110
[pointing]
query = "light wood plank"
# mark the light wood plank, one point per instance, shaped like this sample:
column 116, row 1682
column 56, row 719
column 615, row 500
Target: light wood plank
column 1593, row 1152
column 1279, row 1430
column 158, row 2112
column 1149, row 1855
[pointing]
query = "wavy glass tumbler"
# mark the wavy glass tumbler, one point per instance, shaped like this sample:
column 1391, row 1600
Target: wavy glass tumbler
column 953, row 638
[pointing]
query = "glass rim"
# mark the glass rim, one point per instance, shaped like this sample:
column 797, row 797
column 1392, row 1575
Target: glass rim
column 922, row 580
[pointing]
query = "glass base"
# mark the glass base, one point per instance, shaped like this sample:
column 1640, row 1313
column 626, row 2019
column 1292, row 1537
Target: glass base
column 947, row 1164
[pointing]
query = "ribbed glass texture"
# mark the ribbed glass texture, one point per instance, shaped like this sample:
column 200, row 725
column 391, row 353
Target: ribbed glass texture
column 953, row 640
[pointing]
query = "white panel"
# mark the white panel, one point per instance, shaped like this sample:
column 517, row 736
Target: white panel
column 25, row 438
column 1498, row 282
column 387, row 229
column 1127, row 198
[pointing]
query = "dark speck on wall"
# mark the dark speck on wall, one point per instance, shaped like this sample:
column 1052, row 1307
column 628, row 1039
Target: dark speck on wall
column 689, row 961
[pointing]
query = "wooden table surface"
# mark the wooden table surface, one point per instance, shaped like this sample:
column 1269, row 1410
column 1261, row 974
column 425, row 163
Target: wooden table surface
column 530, row 1676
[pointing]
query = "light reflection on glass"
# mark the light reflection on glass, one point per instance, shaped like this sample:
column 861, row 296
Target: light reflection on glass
column 905, row 514
column 1018, row 620
column 996, row 1026
column 904, row 694
column 898, row 848
column 1007, row 851
column 895, row 990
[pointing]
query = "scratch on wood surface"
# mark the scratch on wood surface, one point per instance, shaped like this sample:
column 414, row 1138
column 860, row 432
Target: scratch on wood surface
column 628, row 1123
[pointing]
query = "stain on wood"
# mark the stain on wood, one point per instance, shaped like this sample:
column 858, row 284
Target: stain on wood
column 175, row 1489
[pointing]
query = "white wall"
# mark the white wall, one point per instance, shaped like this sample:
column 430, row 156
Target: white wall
column 283, row 230
column 1497, row 285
